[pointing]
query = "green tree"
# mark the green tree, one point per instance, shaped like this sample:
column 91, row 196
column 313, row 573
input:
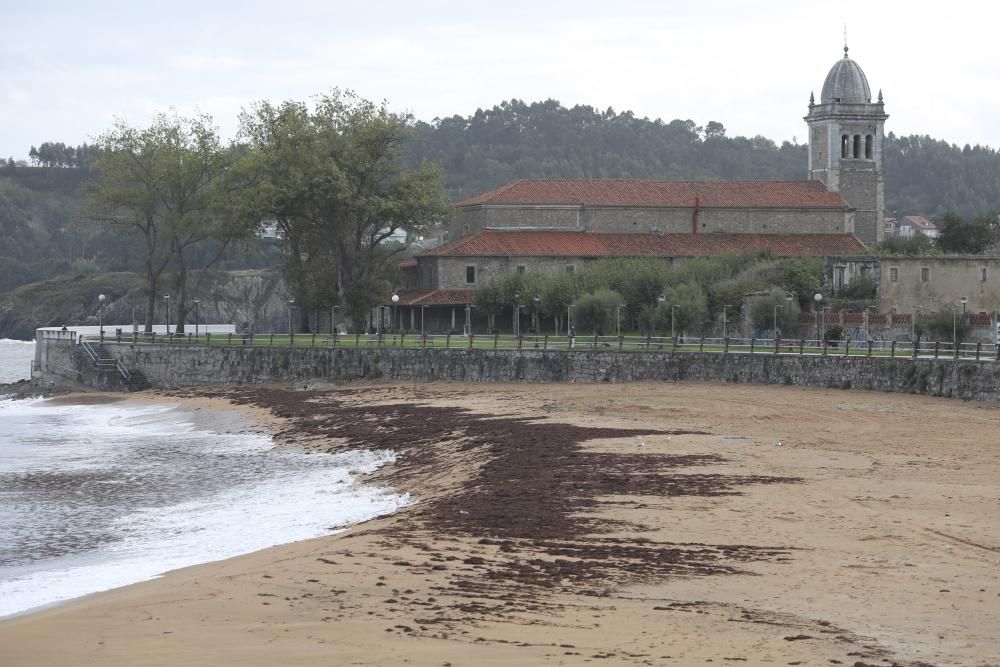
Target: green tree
column 332, row 172
column 765, row 309
column 947, row 324
column 958, row 235
column 164, row 185
column 691, row 313
column 597, row 311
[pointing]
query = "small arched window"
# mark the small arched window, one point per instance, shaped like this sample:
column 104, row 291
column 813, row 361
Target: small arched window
column 843, row 145
column 869, row 147
column 857, row 146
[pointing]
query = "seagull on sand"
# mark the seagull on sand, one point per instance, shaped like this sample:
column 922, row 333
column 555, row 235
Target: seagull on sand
column 778, row 444
column 640, row 444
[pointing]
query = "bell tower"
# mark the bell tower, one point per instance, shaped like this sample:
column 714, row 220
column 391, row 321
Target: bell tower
column 846, row 131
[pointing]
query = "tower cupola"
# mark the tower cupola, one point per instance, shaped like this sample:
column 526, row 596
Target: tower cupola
column 846, row 131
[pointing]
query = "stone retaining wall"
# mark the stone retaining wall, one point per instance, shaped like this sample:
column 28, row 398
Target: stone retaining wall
column 167, row 367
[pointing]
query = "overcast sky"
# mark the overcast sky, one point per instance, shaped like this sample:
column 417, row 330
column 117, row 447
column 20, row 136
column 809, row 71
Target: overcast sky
column 68, row 69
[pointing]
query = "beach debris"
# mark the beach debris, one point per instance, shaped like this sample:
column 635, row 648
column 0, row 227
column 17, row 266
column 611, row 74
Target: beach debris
column 778, row 444
column 639, row 443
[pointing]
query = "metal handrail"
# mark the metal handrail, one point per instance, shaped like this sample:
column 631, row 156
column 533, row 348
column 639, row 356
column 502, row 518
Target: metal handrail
column 104, row 364
column 588, row 343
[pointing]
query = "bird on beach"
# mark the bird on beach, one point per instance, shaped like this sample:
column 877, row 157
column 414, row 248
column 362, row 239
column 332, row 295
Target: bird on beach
column 640, row 444
column 778, row 444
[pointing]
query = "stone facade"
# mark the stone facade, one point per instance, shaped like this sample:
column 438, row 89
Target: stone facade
column 679, row 220
column 184, row 366
column 934, row 282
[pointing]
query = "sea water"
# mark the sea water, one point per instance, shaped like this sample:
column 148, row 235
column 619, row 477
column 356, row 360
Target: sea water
column 94, row 497
column 15, row 359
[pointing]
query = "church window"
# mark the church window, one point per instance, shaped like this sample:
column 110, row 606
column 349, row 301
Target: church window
column 843, row 146
column 983, row 274
column 925, row 274
column 893, row 274
column 570, row 268
column 470, row 275
column 857, row 146
column 868, row 147
column 522, row 268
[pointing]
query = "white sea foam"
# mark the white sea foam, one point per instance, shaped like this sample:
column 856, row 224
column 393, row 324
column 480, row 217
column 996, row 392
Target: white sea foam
column 104, row 496
column 15, row 359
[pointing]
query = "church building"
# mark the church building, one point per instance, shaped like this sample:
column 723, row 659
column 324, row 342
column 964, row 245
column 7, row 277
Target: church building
column 560, row 225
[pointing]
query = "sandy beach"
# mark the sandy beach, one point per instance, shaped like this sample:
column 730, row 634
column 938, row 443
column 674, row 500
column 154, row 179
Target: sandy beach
column 632, row 524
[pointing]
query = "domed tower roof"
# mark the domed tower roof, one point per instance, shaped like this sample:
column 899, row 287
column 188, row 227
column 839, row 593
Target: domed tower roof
column 846, row 84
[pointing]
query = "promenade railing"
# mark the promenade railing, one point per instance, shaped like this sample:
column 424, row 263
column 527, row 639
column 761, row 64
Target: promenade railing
column 781, row 346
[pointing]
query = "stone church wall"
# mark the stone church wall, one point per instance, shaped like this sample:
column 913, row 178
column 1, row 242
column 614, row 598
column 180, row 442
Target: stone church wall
column 625, row 220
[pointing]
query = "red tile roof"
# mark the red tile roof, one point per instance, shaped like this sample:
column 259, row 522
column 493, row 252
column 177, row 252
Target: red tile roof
column 918, row 221
column 435, row 297
column 640, row 193
column 407, row 263
column 525, row 243
column 979, row 319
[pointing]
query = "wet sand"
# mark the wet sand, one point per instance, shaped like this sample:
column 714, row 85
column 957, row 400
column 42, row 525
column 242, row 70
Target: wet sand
column 635, row 524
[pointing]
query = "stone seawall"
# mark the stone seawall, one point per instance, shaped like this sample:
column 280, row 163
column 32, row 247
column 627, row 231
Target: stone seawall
column 167, row 367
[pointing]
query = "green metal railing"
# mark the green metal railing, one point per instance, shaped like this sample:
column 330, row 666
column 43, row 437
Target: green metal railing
column 802, row 346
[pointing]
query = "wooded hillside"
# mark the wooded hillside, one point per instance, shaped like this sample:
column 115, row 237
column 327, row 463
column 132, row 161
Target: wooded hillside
column 514, row 139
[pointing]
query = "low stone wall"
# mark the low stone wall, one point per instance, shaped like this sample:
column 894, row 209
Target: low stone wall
column 166, row 367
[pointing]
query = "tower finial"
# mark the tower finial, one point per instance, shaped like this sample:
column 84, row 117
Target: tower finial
column 845, row 40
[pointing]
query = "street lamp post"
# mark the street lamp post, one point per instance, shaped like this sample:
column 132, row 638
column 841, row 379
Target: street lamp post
column 913, row 325
column 100, row 313
column 291, row 305
column 818, row 298
column 197, row 317
column 517, row 314
column 659, row 302
column 673, row 336
column 395, row 312
column 777, row 307
column 422, row 309
column 725, row 331
column 468, row 319
column 569, row 318
column 166, row 302
column 867, row 323
column 535, row 315
column 619, row 319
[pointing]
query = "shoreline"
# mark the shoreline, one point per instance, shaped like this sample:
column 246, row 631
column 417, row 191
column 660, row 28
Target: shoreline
column 202, row 418
column 651, row 524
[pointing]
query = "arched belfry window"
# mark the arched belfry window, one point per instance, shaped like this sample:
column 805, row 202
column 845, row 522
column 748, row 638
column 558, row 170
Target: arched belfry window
column 843, row 145
column 869, row 147
column 857, row 146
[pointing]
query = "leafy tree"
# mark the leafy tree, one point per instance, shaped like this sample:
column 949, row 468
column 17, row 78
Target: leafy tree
column 917, row 244
column 764, row 310
column 597, row 312
column 691, row 313
column 946, row 324
column 331, row 176
column 164, row 185
column 861, row 287
column 488, row 302
column 965, row 236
